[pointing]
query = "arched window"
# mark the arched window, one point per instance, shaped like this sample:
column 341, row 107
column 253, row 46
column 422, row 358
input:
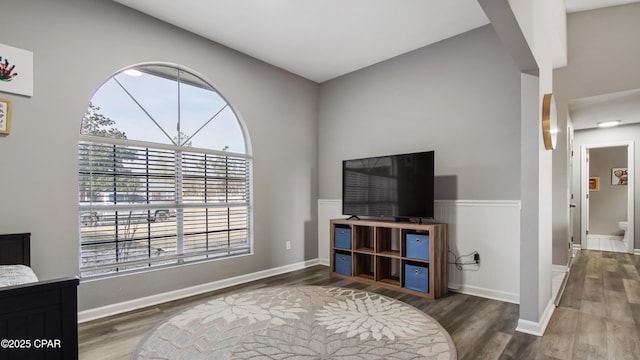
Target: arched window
column 164, row 173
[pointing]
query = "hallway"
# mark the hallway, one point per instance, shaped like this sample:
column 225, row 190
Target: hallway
column 599, row 313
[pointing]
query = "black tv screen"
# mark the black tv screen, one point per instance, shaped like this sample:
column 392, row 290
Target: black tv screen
column 399, row 186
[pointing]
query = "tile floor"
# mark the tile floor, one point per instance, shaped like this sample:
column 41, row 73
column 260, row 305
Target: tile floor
column 606, row 244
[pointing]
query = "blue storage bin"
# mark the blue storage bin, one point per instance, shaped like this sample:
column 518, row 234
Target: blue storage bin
column 343, row 264
column 416, row 278
column 417, row 246
column 342, row 237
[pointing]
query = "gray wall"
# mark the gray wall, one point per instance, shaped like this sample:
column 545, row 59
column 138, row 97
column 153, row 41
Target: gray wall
column 608, row 205
column 77, row 44
column 604, row 136
column 602, row 59
column 459, row 97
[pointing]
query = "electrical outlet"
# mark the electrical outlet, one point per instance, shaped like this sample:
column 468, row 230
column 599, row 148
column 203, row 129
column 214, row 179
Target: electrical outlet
column 288, row 245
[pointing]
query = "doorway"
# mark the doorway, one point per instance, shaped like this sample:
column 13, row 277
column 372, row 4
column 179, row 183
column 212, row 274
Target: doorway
column 606, row 197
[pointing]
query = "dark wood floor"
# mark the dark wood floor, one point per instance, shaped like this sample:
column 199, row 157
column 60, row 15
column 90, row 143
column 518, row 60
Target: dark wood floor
column 598, row 316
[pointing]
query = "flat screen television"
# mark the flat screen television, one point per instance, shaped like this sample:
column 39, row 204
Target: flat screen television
column 398, row 186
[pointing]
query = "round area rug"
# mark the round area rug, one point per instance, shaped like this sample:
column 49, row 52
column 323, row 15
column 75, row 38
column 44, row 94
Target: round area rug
column 305, row 322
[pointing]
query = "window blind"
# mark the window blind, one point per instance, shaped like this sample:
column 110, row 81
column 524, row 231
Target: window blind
column 142, row 206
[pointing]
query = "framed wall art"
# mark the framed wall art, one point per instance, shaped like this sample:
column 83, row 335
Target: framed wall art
column 594, row 184
column 619, row 176
column 5, row 116
column 16, row 70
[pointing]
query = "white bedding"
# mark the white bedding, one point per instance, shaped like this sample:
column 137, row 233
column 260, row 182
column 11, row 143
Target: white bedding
column 11, row 275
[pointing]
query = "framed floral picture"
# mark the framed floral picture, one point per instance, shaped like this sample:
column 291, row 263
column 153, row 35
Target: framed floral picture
column 5, row 116
column 16, row 70
column 619, row 176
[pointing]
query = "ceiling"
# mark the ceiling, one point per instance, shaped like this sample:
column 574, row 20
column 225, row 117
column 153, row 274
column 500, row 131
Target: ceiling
column 582, row 5
column 324, row 39
column 586, row 113
column 319, row 39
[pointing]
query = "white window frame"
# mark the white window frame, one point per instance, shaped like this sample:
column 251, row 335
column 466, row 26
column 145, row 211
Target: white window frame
column 179, row 205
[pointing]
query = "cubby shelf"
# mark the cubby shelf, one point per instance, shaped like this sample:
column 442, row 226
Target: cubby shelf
column 380, row 253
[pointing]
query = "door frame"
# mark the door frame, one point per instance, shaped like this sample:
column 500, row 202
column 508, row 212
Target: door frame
column 584, row 190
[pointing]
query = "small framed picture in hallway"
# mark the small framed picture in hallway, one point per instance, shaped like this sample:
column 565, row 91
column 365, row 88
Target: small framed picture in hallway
column 594, row 184
column 619, row 176
column 5, row 116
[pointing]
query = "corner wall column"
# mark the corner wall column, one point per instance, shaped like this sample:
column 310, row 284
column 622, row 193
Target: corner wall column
column 536, row 305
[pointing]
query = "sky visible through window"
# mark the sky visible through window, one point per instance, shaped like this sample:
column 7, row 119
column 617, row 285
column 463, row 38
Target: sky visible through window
column 158, row 96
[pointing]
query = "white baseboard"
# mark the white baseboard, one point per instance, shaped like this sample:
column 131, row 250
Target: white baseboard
column 577, row 247
column 492, row 228
column 604, row 237
column 113, row 309
column 485, row 293
column 537, row 328
column 559, row 268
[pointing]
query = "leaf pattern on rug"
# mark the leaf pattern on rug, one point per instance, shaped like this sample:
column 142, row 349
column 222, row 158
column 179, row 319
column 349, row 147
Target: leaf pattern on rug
column 365, row 314
column 239, row 306
column 305, row 322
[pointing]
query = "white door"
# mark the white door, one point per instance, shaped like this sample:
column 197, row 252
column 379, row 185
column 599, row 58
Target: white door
column 584, row 198
column 572, row 205
column 585, row 234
